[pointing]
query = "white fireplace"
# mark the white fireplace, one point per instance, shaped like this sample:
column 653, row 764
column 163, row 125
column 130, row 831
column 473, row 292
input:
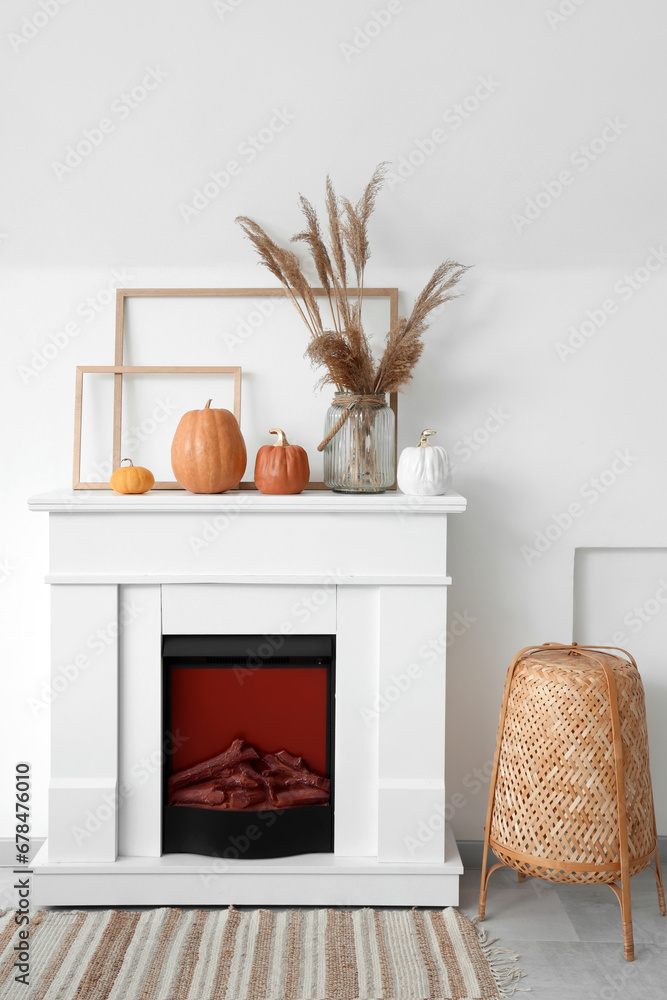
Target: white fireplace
column 125, row 571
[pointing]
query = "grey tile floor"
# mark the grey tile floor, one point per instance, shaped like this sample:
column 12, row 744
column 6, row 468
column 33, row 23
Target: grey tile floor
column 568, row 937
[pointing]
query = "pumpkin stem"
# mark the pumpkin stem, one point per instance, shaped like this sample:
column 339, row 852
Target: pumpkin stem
column 282, row 441
column 208, row 404
column 126, row 460
column 424, row 439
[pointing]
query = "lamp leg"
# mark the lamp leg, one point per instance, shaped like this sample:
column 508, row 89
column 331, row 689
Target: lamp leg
column 621, row 805
column 626, row 917
column 481, row 910
column 657, row 871
column 622, row 894
column 483, row 887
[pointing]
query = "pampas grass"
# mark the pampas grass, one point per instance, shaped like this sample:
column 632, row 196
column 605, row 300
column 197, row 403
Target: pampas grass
column 345, row 352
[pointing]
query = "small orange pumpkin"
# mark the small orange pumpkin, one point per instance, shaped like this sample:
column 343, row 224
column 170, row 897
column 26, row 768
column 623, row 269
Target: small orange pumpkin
column 132, row 478
column 281, row 467
column 208, row 451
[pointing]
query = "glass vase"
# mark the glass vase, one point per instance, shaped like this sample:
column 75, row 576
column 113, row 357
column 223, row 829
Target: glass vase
column 360, row 457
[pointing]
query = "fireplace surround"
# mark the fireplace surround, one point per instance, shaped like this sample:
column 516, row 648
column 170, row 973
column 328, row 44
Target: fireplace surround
column 129, row 572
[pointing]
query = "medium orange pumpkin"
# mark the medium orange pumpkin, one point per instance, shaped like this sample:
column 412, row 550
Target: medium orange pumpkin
column 208, row 452
column 281, row 467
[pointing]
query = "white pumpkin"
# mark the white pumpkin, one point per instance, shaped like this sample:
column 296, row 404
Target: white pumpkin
column 425, row 470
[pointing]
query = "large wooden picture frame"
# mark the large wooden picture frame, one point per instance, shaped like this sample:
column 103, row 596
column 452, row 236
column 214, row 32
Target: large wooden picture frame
column 118, row 371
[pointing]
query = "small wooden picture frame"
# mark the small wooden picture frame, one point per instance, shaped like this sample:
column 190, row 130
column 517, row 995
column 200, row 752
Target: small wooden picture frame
column 118, row 371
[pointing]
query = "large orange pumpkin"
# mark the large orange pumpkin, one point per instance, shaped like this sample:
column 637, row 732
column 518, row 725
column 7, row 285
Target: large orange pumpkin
column 281, row 467
column 208, row 452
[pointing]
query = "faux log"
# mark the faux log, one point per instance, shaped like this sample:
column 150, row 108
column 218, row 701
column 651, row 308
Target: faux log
column 293, row 770
column 243, row 778
column 238, row 800
column 202, row 795
column 301, row 797
column 237, row 752
column 260, row 779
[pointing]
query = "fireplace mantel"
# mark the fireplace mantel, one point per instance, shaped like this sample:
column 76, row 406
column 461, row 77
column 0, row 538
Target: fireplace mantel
column 311, row 502
column 370, row 570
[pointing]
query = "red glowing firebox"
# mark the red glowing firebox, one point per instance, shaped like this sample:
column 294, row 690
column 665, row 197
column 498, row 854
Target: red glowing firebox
column 251, row 720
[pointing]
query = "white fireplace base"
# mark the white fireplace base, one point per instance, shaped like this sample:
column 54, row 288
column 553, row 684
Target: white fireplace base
column 127, row 570
column 304, row 880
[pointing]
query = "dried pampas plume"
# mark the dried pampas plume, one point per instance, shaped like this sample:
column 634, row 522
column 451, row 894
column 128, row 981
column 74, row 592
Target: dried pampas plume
column 345, row 351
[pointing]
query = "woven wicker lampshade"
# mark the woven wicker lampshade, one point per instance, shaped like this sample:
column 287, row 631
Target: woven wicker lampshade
column 571, row 797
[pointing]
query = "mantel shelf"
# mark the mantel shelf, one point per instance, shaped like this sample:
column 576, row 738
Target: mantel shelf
column 176, row 501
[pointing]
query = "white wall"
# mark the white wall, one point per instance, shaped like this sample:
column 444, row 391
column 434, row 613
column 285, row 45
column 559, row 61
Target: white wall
column 551, row 85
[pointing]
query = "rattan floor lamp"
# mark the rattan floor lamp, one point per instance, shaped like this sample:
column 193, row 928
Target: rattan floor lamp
column 571, row 797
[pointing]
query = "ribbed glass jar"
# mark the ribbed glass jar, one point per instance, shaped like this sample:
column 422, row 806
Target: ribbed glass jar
column 360, row 457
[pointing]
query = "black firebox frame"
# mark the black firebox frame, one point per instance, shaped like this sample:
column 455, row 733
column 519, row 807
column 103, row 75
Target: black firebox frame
column 249, row 834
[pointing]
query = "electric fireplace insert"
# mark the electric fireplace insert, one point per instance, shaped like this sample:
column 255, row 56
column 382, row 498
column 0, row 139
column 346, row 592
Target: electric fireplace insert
column 250, row 720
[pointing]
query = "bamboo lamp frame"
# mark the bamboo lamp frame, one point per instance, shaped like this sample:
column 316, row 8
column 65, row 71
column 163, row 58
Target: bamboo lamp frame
column 532, row 823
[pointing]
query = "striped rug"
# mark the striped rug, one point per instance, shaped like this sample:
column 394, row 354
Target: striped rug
column 171, row 954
